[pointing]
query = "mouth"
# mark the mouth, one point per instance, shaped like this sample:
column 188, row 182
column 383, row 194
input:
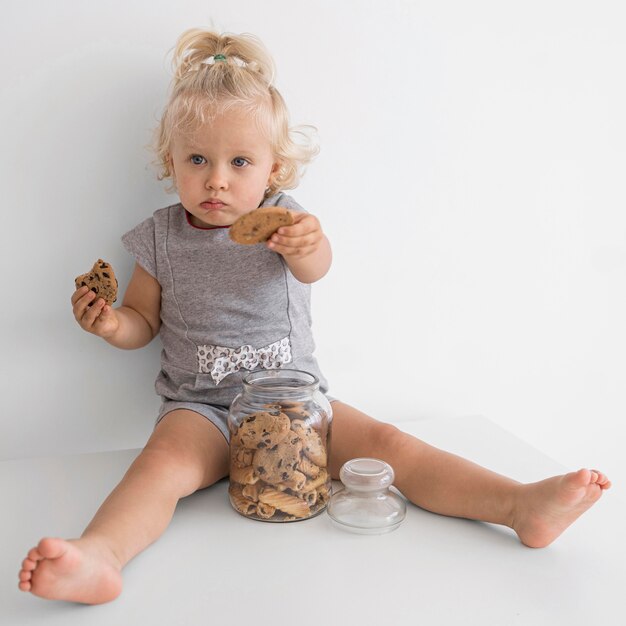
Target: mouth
column 212, row 205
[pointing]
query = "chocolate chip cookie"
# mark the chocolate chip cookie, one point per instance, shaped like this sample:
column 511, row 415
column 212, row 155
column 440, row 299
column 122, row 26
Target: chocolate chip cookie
column 262, row 430
column 101, row 280
column 279, row 463
column 259, row 225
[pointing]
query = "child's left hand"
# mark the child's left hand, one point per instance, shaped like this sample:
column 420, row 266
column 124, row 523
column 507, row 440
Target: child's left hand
column 300, row 239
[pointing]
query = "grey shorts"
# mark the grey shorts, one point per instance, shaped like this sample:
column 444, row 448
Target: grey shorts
column 216, row 414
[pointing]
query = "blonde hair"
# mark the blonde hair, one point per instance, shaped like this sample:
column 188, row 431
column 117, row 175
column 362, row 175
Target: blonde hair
column 215, row 73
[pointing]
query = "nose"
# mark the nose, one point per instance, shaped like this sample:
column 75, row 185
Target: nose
column 216, row 179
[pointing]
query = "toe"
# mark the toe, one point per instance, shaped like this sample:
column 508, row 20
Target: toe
column 29, row 564
column 52, row 548
column 581, row 478
column 34, row 555
column 25, row 576
column 24, row 586
column 602, row 479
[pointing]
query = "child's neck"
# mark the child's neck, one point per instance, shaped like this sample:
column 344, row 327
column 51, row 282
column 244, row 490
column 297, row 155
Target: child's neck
column 190, row 221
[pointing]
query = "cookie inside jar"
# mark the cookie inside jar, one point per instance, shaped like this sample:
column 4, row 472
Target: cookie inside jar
column 279, row 459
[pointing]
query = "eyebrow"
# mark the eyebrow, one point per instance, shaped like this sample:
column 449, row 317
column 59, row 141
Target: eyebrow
column 239, row 151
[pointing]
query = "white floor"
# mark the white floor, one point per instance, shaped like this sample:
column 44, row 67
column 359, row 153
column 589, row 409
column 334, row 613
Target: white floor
column 212, row 566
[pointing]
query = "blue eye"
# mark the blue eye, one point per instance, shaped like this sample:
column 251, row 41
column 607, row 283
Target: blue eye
column 196, row 159
column 240, row 162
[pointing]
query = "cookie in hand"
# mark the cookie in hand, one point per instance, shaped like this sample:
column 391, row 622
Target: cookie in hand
column 259, row 225
column 101, row 280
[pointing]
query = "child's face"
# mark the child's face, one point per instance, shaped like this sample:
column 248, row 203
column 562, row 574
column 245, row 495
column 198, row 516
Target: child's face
column 223, row 169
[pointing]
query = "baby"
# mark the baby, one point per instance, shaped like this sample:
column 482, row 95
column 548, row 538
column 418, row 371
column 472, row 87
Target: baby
column 226, row 143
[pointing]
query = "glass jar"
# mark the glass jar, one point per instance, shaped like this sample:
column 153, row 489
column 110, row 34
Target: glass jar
column 280, row 426
column 368, row 504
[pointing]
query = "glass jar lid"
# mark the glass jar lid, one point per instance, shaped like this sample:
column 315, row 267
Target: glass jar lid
column 366, row 475
column 367, row 504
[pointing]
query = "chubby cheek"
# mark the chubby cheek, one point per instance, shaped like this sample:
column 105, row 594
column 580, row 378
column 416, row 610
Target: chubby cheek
column 247, row 195
column 257, row 199
column 186, row 186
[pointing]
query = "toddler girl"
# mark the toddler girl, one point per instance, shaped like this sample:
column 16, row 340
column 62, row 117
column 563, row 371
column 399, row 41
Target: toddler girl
column 225, row 142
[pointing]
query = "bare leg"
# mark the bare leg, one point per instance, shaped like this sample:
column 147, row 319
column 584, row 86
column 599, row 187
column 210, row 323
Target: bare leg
column 185, row 453
column 450, row 485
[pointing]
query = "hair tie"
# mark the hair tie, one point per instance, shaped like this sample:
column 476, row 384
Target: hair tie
column 234, row 60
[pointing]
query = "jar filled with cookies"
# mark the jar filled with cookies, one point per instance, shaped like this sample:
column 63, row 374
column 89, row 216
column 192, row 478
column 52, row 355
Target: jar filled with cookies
column 280, row 427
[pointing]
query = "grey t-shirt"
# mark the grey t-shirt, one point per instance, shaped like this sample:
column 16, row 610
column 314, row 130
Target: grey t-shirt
column 226, row 308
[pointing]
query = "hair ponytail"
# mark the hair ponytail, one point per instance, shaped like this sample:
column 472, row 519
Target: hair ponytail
column 245, row 66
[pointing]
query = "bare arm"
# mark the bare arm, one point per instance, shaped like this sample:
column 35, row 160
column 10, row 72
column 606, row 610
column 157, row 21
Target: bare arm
column 130, row 326
column 304, row 247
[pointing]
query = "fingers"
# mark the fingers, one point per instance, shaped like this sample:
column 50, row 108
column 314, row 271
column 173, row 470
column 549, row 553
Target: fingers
column 79, row 293
column 302, row 238
column 299, row 246
column 81, row 299
column 88, row 308
column 305, row 226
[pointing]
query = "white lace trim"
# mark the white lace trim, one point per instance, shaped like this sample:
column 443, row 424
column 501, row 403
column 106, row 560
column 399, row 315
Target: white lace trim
column 220, row 361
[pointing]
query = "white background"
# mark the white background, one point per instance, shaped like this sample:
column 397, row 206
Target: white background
column 471, row 180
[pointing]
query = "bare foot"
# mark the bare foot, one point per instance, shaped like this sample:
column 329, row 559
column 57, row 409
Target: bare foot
column 76, row 570
column 545, row 509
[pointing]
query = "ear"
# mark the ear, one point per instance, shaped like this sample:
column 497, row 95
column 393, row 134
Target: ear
column 274, row 172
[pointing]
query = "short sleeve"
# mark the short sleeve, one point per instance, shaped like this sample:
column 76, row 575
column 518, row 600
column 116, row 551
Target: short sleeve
column 284, row 200
column 141, row 244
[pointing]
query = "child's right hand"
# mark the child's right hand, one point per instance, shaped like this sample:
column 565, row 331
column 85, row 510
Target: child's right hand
column 99, row 319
